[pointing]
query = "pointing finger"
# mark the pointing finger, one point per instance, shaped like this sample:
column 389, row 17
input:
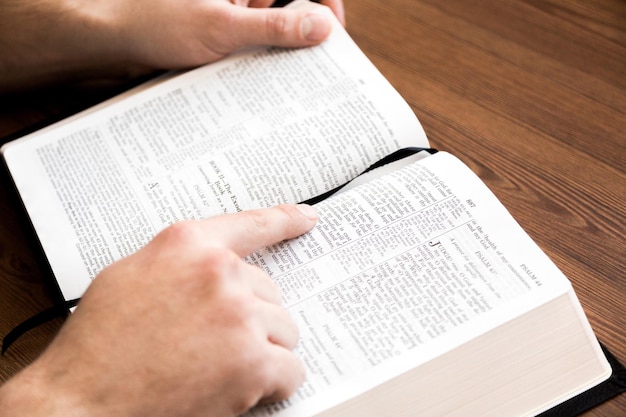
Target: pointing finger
column 248, row 231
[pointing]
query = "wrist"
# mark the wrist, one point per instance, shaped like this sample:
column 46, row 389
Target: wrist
column 33, row 393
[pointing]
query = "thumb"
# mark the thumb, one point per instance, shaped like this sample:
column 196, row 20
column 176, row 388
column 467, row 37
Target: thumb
column 288, row 27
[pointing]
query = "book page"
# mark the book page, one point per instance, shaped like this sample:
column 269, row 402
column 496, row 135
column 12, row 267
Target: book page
column 259, row 128
column 398, row 271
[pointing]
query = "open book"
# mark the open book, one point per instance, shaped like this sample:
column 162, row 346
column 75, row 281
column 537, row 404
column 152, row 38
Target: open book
column 416, row 293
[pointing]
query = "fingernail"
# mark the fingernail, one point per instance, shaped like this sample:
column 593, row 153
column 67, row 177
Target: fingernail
column 315, row 27
column 308, row 211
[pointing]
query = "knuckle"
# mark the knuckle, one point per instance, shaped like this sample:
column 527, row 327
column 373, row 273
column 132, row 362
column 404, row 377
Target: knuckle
column 294, row 332
column 259, row 220
column 221, row 259
column 182, row 233
column 246, row 403
column 248, row 399
column 263, row 369
column 276, row 292
column 221, row 265
column 277, row 25
column 284, row 219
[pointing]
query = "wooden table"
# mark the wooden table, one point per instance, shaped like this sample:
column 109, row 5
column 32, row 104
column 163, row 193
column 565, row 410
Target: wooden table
column 531, row 94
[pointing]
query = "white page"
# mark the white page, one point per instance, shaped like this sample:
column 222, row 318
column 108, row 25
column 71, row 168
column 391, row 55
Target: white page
column 390, row 278
column 236, row 134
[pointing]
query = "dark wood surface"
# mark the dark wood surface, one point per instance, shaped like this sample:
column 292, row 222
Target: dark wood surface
column 531, row 94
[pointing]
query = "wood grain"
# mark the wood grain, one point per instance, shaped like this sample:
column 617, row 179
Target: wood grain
column 530, row 94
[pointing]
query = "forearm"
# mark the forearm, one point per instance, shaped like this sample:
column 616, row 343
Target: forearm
column 33, row 393
column 48, row 41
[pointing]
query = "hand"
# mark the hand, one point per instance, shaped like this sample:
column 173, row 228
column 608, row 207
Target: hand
column 47, row 41
column 182, row 327
column 183, row 33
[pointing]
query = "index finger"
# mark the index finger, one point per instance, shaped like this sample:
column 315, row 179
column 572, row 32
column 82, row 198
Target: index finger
column 249, row 231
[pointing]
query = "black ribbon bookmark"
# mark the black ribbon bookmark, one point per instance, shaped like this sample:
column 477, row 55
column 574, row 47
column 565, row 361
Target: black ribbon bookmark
column 59, row 310
column 393, row 157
